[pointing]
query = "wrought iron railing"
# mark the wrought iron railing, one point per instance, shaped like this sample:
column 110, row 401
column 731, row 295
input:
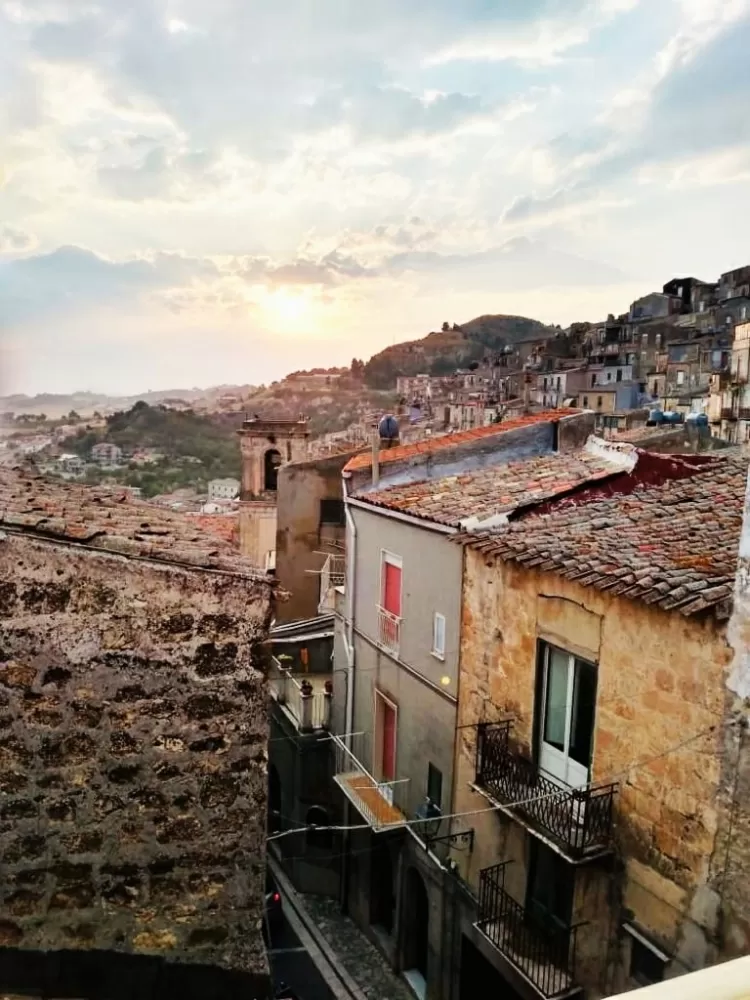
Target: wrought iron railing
column 310, row 709
column 389, row 631
column 382, row 804
column 579, row 819
column 541, row 947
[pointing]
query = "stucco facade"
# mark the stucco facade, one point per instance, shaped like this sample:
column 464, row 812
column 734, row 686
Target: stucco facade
column 660, row 678
column 310, row 521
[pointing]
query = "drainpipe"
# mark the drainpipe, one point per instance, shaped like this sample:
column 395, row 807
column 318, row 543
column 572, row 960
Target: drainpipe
column 375, row 457
column 351, row 578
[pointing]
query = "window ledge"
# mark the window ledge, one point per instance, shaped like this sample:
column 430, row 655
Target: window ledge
column 438, row 656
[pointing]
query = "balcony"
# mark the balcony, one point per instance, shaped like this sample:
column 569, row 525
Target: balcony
column 744, row 413
column 331, row 576
column 389, row 631
column 728, row 414
column 577, row 820
column 307, row 699
column 543, row 950
column 379, row 803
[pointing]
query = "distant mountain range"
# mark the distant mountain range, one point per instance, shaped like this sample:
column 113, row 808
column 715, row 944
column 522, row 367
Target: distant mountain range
column 439, row 352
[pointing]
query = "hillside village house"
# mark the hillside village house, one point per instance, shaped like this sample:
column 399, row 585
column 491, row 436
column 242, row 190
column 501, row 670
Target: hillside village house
column 593, row 643
column 438, row 709
column 224, row 489
column 105, row 453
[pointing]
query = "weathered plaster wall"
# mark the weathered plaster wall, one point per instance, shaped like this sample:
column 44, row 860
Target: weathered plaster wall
column 300, row 537
column 133, row 727
column 258, row 520
column 660, row 679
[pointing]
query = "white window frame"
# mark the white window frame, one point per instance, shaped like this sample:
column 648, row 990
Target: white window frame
column 438, row 653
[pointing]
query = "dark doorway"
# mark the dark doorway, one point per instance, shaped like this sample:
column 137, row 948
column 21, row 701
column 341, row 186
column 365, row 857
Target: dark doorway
column 550, row 888
column 382, row 892
column 417, row 924
column 481, row 979
column 271, row 463
column 274, row 800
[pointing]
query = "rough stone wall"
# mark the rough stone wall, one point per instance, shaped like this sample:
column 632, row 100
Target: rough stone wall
column 300, row 537
column 661, row 679
column 133, row 731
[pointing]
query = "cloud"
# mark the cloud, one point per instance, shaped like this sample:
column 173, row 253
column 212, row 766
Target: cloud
column 519, row 263
column 13, row 240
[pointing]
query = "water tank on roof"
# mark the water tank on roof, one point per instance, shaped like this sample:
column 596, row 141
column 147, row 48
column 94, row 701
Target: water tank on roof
column 670, row 417
column 697, row 419
column 388, row 428
column 656, row 416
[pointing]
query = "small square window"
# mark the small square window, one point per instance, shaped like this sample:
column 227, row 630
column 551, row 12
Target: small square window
column 332, row 511
column 434, row 785
column 438, row 636
column 647, row 963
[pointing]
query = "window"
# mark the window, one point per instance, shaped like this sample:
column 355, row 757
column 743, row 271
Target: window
column 680, row 378
column 567, row 700
column 619, row 375
column 332, row 511
column 434, row 785
column 657, row 340
column 593, row 380
column 585, row 401
column 438, row 636
column 599, row 401
column 384, row 764
column 647, row 962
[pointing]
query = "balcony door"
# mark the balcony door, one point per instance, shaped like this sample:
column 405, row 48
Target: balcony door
column 391, row 584
column 568, row 699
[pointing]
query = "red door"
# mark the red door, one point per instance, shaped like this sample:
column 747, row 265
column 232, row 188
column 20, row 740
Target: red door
column 388, row 769
column 392, row 588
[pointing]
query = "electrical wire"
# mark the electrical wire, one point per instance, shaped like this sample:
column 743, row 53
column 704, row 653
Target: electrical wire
column 633, row 766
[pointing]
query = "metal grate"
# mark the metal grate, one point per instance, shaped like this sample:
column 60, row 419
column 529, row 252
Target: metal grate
column 544, row 950
column 579, row 819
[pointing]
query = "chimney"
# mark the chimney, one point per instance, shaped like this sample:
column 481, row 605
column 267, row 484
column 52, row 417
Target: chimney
column 375, row 456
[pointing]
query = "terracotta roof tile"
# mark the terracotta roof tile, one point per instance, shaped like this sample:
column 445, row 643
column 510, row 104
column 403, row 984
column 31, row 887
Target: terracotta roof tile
column 110, row 519
column 496, row 490
column 674, row 545
column 433, row 444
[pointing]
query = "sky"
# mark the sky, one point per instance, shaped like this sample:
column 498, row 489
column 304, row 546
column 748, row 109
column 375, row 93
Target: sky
column 196, row 193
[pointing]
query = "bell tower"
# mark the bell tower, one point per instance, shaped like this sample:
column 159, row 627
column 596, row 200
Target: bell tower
column 266, row 445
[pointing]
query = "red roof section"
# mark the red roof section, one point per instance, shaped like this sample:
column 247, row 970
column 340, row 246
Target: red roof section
column 433, row 444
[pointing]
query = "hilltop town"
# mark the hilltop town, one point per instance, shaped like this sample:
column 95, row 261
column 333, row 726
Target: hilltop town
column 441, row 694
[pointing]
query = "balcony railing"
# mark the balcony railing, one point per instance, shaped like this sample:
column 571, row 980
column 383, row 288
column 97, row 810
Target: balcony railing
column 308, row 699
column 380, row 803
column 542, row 949
column 389, row 631
column 578, row 819
column 331, row 576
column 728, row 414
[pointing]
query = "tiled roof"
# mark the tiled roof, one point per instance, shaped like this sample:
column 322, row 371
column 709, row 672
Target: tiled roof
column 496, row 490
column 109, row 519
column 433, row 444
column 674, row 545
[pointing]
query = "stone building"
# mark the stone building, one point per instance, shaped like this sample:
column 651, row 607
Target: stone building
column 599, row 743
column 310, row 526
column 266, row 445
column 133, row 751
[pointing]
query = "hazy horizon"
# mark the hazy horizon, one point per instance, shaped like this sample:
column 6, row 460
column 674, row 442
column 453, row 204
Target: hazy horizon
column 197, row 194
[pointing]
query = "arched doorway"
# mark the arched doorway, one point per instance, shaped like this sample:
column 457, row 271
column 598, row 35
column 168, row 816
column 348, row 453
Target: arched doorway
column 274, row 800
column 417, row 926
column 271, row 463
